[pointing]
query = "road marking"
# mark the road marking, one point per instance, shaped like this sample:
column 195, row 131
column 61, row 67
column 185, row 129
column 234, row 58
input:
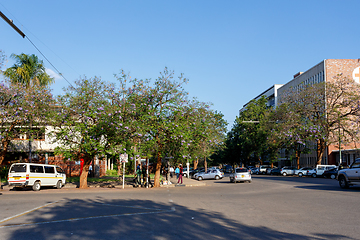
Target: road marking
column 84, row 218
column 24, row 213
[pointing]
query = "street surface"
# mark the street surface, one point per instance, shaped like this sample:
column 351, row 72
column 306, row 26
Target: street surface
column 271, row 207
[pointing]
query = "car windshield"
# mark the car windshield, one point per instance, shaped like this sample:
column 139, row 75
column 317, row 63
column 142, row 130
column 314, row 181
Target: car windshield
column 18, row 168
column 239, row 170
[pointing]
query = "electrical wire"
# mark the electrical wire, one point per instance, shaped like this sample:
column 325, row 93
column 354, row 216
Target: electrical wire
column 49, row 61
column 58, row 72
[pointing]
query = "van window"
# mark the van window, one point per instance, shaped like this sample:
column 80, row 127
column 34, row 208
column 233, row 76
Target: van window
column 36, row 169
column 49, row 169
column 18, row 168
column 59, row 170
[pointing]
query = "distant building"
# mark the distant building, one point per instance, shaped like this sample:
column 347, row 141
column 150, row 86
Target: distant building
column 322, row 72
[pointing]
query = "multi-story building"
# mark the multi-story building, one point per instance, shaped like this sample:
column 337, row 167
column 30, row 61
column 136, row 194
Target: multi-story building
column 325, row 71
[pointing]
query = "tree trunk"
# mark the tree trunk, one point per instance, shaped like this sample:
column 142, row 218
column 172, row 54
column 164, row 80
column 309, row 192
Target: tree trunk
column 5, row 144
column 297, row 156
column 196, row 162
column 205, row 164
column 84, row 173
column 320, row 150
column 157, row 172
column 118, row 167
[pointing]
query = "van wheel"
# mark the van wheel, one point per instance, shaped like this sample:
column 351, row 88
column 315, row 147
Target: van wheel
column 36, row 186
column 59, row 185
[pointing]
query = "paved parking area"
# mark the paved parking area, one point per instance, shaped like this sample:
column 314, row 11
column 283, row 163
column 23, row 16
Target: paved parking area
column 271, row 207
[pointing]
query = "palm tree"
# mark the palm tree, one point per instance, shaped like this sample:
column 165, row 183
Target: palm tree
column 29, row 71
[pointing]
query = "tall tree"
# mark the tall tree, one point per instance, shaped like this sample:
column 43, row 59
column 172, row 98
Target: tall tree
column 22, row 111
column 29, row 71
column 247, row 138
column 80, row 123
column 330, row 110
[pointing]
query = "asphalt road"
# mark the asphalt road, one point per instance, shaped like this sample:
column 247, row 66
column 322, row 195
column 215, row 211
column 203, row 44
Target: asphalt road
column 271, row 207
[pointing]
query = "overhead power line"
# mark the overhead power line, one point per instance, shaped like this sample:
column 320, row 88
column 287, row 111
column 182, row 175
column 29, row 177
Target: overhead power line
column 10, row 22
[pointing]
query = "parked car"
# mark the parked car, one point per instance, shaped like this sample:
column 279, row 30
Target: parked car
column 197, row 171
column 240, row 175
column 350, row 176
column 262, row 169
column 191, row 170
column 302, row 171
column 210, row 174
column 311, row 172
column 268, row 170
column 228, row 168
column 287, row 171
column 275, row 171
column 332, row 173
column 36, row 175
column 321, row 168
column 254, row 170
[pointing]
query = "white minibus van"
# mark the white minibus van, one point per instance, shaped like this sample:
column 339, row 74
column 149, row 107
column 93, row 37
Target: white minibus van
column 36, row 175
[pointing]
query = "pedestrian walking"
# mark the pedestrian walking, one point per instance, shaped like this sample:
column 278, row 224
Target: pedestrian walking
column 171, row 171
column 180, row 175
column 138, row 176
column 177, row 172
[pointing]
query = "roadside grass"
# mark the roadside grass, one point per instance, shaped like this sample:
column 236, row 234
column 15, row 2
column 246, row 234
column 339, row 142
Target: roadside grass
column 111, row 176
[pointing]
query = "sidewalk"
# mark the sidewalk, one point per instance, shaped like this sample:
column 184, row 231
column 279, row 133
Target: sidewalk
column 187, row 182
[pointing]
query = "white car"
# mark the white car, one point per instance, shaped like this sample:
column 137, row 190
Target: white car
column 320, row 169
column 240, row 175
column 210, row 174
column 350, row 176
column 302, row 171
column 287, row 171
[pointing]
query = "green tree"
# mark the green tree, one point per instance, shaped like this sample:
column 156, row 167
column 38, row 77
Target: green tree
column 29, row 71
column 80, row 122
column 247, row 139
column 22, row 111
column 329, row 111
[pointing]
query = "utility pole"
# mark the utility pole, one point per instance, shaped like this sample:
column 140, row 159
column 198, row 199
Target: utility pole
column 10, row 22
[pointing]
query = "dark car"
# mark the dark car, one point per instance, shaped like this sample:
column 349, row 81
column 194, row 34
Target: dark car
column 195, row 171
column 227, row 169
column 331, row 173
column 275, row 171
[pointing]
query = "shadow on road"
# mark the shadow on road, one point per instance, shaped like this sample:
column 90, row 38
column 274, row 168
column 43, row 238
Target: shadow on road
column 135, row 219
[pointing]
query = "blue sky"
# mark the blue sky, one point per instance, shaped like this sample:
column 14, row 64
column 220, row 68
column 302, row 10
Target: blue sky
column 231, row 51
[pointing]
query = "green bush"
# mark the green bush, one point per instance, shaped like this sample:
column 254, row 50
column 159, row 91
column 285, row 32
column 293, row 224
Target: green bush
column 4, row 170
column 111, row 173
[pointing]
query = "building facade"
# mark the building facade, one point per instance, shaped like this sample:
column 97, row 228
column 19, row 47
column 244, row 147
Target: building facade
column 325, row 71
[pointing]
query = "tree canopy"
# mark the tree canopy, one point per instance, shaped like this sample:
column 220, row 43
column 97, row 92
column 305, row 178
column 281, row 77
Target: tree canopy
column 29, row 71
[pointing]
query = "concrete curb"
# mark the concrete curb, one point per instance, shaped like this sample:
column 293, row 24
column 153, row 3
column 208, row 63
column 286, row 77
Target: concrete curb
column 186, row 183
